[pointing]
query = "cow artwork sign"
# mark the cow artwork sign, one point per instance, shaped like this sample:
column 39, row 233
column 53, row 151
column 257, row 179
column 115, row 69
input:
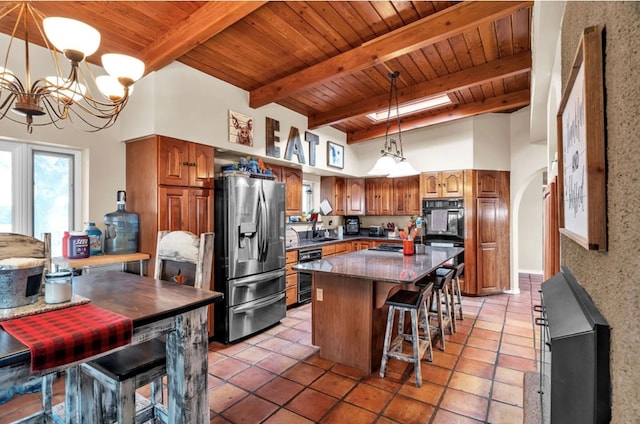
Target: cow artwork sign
column 240, row 129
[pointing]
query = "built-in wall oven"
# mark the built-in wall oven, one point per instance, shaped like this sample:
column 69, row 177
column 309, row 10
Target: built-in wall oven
column 304, row 278
column 444, row 220
column 444, row 224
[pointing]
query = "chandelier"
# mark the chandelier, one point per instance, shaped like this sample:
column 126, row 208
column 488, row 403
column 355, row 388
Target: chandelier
column 63, row 96
column 392, row 162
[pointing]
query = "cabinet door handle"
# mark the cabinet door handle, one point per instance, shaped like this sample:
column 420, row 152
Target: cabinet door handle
column 185, row 163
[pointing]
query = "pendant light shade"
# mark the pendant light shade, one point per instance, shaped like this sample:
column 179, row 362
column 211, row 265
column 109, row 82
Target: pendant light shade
column 403, row 169
column 383, row 166
column 125, row 68
column 392, row 151
column 69, row 35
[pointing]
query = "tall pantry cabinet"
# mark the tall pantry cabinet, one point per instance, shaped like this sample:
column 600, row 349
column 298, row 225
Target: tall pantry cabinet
column 170, row 187
column 486, row 243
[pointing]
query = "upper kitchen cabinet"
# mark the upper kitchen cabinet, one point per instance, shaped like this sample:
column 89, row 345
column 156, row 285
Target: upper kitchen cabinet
column 491, row 183
column 292, row 177
column 442, row 184
column 182, row 163
column 355, row 201
column 406, row 196
column 333, row 189
column 378, row 196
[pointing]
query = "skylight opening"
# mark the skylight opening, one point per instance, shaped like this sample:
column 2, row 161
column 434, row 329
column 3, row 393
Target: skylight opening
column 409, row 108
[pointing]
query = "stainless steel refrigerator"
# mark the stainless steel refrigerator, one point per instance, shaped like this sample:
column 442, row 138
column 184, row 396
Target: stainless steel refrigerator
column 250, row 255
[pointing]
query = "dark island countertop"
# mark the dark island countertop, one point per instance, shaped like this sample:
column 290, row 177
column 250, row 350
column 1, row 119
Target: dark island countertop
column 383, row 266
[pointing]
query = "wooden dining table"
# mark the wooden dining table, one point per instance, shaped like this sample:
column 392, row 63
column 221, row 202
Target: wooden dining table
column 156, row 308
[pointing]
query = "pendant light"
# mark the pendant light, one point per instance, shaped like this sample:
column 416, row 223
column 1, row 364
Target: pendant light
column 386, row 164
column 64, row 97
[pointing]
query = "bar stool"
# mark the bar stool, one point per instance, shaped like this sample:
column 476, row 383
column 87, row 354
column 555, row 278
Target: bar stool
column 456, row 294
column 407, row 301
column 441, row 280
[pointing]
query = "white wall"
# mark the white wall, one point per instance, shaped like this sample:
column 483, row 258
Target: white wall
column 530, row 221
column 491, row 141
column 436, row 148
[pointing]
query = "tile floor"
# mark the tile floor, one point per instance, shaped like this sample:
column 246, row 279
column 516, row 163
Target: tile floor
column 278, row 377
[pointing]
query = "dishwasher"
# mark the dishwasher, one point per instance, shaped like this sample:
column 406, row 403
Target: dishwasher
column 304, row 278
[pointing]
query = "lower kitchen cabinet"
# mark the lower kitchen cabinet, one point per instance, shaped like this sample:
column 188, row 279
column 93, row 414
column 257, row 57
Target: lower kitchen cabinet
column 292, row 277
column 336, row 249
column 361, row 245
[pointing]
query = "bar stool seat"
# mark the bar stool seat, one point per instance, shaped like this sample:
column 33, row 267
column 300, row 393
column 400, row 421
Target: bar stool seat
column 441, row 281
column 407, row 301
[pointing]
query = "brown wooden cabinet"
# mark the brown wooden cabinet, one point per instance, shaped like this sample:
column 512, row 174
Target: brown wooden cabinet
column 442, row 184
column 333, row 189
column 182, row 163
column 169, row 184
column 487, row 245
column 406, row 196
column 378, row 196
column 361, row 245
column 551, row 231
column 491, row 183
column 355, row 200
column 292, row 177
column 292, row 277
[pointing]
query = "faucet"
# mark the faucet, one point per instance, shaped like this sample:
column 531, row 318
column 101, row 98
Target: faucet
column 314, row 232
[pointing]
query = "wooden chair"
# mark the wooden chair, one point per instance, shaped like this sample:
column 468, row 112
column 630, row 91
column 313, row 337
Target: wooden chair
column 20, row 246
column 111, row 381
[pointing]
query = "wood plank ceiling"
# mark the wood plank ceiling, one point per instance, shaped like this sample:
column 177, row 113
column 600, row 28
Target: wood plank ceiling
column 330, row 60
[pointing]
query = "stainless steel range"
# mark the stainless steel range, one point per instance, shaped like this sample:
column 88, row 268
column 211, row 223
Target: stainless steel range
column 250, row 256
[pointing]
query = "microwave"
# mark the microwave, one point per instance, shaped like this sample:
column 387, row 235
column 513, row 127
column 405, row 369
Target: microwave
column 376, row 231
column 351, row 225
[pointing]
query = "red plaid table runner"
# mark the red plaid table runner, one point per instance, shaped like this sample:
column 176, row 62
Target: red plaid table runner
column 67, row 335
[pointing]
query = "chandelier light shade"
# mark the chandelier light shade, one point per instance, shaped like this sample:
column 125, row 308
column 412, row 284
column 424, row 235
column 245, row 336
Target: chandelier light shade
column 90, row 103
column 392, row 162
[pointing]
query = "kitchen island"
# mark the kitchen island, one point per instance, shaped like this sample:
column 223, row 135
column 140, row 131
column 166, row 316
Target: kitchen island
column 349, row 291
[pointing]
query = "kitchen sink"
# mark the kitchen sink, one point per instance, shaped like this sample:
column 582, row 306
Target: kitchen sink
column 320, row 239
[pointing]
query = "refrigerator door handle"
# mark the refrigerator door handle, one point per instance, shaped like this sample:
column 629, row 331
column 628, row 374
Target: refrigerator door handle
column 257, row 279
column 265, row 224
column 259, row 305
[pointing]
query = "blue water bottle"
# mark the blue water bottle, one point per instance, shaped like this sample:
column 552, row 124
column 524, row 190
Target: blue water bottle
column 95, row 238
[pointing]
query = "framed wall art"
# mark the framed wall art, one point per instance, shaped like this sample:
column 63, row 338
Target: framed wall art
column 581, row 147
column 240, row 129
column 335, row 155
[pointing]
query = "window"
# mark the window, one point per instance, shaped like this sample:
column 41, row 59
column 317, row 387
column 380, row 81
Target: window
column 307, row 197
column 41, row 191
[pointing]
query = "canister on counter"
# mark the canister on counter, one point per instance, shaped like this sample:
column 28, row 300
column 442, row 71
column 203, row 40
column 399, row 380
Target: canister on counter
column 78, row 245
column 57, row 287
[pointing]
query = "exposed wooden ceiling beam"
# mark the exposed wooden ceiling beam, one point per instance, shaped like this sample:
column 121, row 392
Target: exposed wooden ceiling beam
column 424, row 32
column 466, row 78
column 211, row 19
column 495, row 104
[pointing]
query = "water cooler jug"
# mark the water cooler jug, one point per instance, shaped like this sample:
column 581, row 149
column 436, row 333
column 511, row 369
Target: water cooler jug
column 121, row 229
